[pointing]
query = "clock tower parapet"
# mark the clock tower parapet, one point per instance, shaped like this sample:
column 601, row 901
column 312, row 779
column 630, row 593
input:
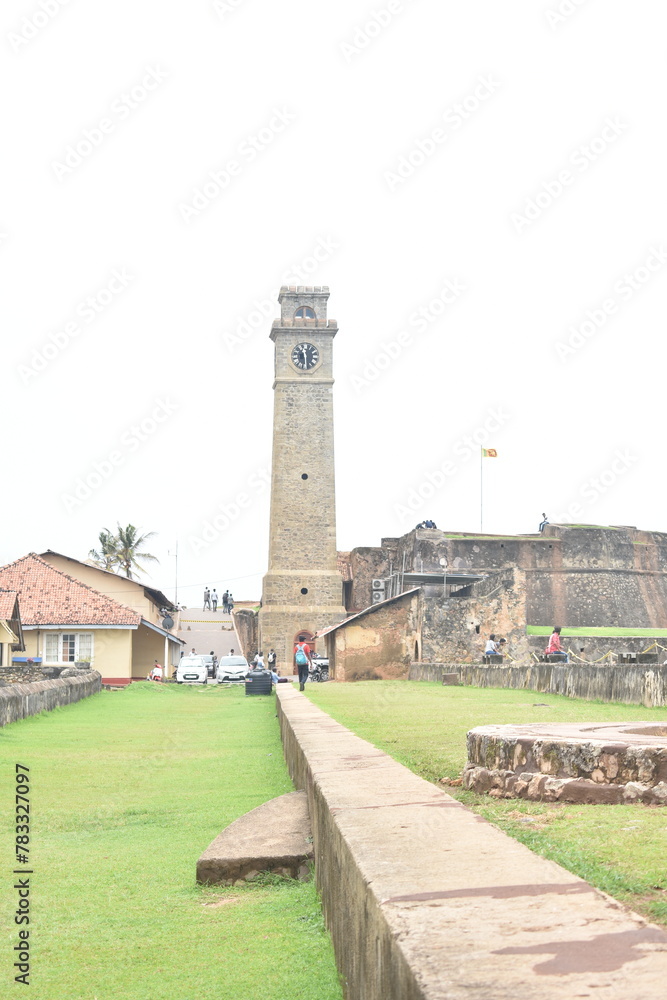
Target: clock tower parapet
column 303, row 302
column 304, row 335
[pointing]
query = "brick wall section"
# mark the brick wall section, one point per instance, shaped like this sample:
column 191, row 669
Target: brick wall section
column 22, row 700
column 627, row 685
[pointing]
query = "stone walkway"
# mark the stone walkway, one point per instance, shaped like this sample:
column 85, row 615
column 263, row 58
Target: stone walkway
column 425, row 900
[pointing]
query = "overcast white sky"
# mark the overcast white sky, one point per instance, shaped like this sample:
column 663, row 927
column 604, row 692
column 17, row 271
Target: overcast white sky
column 508, row 158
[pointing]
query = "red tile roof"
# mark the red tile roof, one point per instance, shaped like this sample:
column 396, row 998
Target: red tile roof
column 7, row 604
column 49, row 597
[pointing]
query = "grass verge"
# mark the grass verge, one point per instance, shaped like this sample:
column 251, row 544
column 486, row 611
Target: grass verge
column 620, row 849
column 127, row 790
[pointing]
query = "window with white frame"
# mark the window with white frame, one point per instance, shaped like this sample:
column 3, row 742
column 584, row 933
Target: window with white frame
column 68, row 647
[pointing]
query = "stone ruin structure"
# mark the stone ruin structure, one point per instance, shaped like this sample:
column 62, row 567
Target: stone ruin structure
column 585, row 762
column 608, row 583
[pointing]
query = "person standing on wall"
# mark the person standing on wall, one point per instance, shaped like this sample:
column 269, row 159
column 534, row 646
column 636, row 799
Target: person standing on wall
column 303, row 662
column 225, row 602
column 214, row 599
column 207, row 600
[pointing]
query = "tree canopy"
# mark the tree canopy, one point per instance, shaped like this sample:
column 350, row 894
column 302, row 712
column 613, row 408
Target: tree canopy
column 121, row 551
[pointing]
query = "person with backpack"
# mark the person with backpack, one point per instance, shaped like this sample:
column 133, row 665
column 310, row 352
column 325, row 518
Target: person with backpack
column 272, row 660
column 303, row 662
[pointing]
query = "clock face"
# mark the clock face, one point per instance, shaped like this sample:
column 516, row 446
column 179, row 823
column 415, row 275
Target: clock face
column 305, row 356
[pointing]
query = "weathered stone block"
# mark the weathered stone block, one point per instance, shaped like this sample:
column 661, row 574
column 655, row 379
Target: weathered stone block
column 582, row 790
column 274, row 837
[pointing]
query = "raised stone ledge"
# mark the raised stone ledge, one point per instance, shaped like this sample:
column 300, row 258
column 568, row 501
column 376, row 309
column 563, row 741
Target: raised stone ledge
column 638, row 684
column 596, row 763
column 19, row 701
column 427, row 901
column 302, row 323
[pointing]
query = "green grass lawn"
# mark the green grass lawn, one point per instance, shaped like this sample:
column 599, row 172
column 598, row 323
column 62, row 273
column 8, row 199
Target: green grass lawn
column 621, row 849
column 127, row 790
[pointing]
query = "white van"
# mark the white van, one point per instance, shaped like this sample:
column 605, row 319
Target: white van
column 192, row 670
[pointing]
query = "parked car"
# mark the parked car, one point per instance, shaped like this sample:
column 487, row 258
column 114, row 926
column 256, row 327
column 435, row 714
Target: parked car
column 232, row 668
column 192, row 670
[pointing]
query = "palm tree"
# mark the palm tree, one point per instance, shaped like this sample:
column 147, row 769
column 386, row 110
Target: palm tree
column 127, row 543
column 106, row 557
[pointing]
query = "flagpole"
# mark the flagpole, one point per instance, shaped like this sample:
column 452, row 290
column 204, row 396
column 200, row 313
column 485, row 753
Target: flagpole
column 481, row 490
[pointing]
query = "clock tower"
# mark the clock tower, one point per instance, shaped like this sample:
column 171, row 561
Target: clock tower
column 303, row 589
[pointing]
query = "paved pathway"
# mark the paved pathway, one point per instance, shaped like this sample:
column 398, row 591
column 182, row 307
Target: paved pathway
column 208, row 630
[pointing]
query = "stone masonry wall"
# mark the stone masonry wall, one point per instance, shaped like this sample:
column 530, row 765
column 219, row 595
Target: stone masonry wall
column 246, row 625
column 19, row 701
column 629, row 685
column 278, row 628
column 303, row 512
column 573, row 576
column 496, row 605
column 378, row 646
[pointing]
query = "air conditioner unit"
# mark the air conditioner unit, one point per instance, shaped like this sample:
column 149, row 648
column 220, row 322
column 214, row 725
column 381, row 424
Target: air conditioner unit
column 378, row 584
column 378, row 596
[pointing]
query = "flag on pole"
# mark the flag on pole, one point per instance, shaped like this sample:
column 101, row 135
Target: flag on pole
column 489, row 453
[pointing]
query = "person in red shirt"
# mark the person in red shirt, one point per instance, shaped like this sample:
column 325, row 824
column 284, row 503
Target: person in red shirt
column 555, row 644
